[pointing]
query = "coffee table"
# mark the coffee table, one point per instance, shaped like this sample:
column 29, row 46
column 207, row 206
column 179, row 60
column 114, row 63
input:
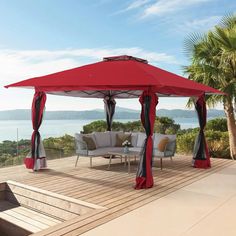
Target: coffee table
column 122, row 154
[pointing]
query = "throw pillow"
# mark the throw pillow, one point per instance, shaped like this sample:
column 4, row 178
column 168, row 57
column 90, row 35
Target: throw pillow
column 162, row 144
column 90, row 142
column 121, row 137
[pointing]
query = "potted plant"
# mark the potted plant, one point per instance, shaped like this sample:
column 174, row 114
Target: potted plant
column 126, row 144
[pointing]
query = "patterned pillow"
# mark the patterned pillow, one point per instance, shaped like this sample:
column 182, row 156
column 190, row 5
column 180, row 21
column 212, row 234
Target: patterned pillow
column 121, row 137
column 162, row 144
column 90, row 142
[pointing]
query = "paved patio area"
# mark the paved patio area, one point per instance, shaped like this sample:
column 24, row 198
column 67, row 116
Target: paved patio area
column 184, row 200
column 205, row 207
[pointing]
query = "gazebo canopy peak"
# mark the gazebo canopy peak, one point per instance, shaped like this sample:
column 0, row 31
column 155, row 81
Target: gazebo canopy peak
column 125, row 58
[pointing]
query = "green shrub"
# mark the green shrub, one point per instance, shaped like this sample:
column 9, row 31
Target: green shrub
column 218, row 143
column 162, row 125
column 185, row 142
column 165, row 125
column 189, row 130
column 101, row 126
column 18, row 160
column 8, row 147
column 98, row 125
column 9, row 161
column 59, row 147
column 133, row 126
column 218, row 124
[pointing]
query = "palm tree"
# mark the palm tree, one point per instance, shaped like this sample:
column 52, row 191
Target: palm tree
column 213, row 62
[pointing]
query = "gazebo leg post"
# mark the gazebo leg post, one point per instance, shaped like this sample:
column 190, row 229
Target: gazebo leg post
column 91, row 162
column 77, row 159
column 110, row 157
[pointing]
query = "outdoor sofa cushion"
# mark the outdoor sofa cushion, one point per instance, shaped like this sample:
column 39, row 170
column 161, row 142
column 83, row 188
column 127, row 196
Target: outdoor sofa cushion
column 157, row 153
column 141, row 139
column 134, row 139
column 113, row 136
column 158, row 137
column 137, row 141
column 171, row 145
column 103, row 139
column 135, row 149
column 104, row 151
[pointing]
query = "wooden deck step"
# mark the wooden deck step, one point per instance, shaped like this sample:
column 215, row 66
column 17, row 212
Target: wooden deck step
column 25, row 218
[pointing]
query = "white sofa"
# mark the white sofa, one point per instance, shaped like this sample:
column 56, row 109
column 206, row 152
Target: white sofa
column 105, row 142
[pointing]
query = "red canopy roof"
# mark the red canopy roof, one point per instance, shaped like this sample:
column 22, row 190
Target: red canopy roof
column 122, row 76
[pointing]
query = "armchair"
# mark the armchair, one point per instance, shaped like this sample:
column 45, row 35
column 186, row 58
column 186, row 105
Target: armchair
column 168, row 152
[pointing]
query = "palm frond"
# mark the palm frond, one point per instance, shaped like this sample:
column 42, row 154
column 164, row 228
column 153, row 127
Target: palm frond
column 228, row 21
column 190, row 43
column 213, row 59
column 190, row 103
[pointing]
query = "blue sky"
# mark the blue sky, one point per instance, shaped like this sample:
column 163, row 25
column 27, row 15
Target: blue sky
column 40, row 37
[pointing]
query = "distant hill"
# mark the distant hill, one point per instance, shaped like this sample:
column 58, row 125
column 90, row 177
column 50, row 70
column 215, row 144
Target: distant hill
column 121, row 113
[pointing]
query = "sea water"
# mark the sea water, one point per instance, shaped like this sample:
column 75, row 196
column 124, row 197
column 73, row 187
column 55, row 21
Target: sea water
column 57, row 128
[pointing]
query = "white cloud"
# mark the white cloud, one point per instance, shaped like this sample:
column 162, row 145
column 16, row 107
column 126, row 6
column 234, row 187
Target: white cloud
column 201, row 24
column 133, row 6
column 18, row 65
column 162, row 7
column 136, row 4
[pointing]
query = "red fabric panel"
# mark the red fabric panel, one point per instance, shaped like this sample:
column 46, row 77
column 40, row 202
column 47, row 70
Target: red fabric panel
column 152, row 112
column 149, row 150
column 36, row 121
column 147, row 181
column 197, row 162
column 204, row 164
column 37, row 109
column 113, row 75
column 29, row 163
column 141, row 182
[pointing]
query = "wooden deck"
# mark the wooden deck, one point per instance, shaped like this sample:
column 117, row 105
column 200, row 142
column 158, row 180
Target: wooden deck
column 111, row 189
column 31, row 221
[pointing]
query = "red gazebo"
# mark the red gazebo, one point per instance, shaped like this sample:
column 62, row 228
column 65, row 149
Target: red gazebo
column 119, row 77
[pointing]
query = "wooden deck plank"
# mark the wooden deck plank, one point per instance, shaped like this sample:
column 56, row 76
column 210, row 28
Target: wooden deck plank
column 24, row 217
column 49, row 221
column 84, row 188
column 82, row 226
column 113, row 213
column 125, row 207
column 112, row 189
